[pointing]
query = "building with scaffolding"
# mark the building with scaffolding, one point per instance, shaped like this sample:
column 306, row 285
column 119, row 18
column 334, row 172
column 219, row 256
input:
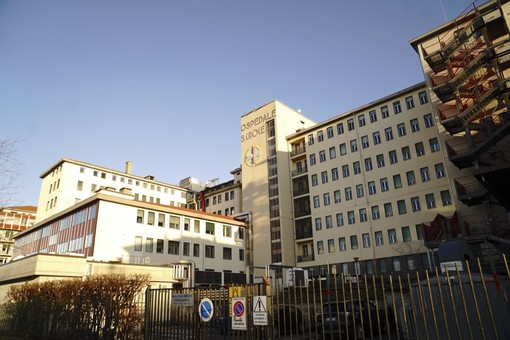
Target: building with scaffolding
column 466, row 63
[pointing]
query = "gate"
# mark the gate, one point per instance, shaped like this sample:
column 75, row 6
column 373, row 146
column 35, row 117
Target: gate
column 173, row 313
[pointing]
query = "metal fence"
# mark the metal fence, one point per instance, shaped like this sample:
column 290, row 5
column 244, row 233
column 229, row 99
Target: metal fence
column 463, row 303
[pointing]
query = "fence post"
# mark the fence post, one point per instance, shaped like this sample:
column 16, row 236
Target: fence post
column 269, row 306
column 148, row 305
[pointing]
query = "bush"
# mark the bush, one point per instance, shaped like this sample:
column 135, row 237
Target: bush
column 98, row 307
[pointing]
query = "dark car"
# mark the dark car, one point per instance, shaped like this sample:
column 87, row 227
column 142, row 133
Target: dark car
column 355, row 318
column 288, row 319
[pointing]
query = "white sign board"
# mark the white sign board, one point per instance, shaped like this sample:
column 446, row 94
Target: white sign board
column 239, row 313
column 259, row 311
column 182, row 300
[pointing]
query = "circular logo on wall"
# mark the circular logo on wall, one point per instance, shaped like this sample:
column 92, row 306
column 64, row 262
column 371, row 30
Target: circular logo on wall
column 253, row 155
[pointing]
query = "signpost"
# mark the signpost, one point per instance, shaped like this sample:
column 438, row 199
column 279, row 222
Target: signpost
column 239, row 313
column 206, row 309
column 259, row 311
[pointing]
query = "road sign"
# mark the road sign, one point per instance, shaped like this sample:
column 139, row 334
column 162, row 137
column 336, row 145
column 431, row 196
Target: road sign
column 239, row 313
column 206, row 309
column 182, row 300
column 259, row 311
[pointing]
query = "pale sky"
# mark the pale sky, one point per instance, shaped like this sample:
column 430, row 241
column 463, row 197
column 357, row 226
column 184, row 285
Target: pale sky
column 163, row 83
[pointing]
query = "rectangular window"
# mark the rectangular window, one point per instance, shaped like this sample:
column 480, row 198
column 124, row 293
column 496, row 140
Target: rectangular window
column 196, row 226
column 366, row 240
column 409, row 102
column 354, row 242
column 161, row 220
column 139, row 216
column 351, row 218
column 392, row 236
column 341, row 244
column 150, row 219
column 334, row 174
column 350, row 124
column 411, row 179
column 348, row 194
column 401, row 204
column 227, row 253
column 209, row 228
column 79, row 186
column 373, row 116
column 357, row 167
column 396, row 264
column 149, row 245
column 173, row 248
column 375, row 212
column 175, row 222
column 368, row 164
column 196, row 250
column 227, row 231
column 415, row 202
column 324, row 177
column 336, row 195
column 159, row 246
column 429, row 121
column 330, row 132
column 363, row 217
column 339, row 219
column 377, row 137
column 316, row 201
column 388, row 210
column 406, row 234
column 401, row 128
column 393, row 157
column 425, row 176
column 322, row 156
column 415, row 126
column 384, row 184
column 340, row 128
column 371, row 188
column 440, row 173
column 313, row 161
column 420, row 232
column 380, row 160
column 354, row 145
column 209, row 252
column 423, row 97
column 320, row 247
column 138, row 243
column 329, row 222
column 379, row 240
column 187, row 223
column 396, row 107
column 310, row 139
column 318, row 223
column 406, row 153
column 327, row 200
column 385, row 112
column 434, row 145
column 359, row 191
column 241, row 254
column 345, row 170
column 331, row 246
column 364, row 142
column 445, row 197
column 361, row 120
column 315, row 182
column 320, row 136
column 332, row 153
column 397, row 181
column 431, row 201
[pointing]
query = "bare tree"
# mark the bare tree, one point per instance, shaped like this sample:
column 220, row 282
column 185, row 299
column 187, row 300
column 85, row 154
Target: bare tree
column 9, row 166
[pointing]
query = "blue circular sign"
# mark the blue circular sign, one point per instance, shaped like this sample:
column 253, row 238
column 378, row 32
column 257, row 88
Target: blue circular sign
column 238, row 309
column 206, row 309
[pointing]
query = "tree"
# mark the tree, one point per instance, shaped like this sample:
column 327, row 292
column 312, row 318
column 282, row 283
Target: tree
column 9, row 166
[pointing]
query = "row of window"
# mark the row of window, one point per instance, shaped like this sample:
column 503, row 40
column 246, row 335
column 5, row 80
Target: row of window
column 175, row 222
column 367, row 242
column 375, row 211
column 175, row 247
column 372, row 116
column 228, row 212
column 217, row 199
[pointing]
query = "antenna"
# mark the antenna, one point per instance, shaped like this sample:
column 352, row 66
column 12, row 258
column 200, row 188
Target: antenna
column 444, row 13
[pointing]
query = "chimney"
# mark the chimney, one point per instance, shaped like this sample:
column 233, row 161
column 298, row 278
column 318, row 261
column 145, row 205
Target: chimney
column 128, row 167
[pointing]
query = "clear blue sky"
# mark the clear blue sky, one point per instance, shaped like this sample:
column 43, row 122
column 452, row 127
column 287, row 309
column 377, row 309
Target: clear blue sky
column 163, row 83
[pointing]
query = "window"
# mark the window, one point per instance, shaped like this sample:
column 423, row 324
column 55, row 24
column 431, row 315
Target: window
column 434, row 145
column 357, row 167
column 175, row 222
column 331, row 246
column 415, row 126
column 409, row 102
column 320, row 136
column 354, row 145
column 401, row 129
column 324, row 177
column 377, row 137
column 196, row 250
column 150, row 218
column 227, row 253
column 373, row 116
column 322, row 156
column 375, row 212
column 348, row 194
column 425, row 177
column 343, row 149
column 406, row 153
column 332, row 153
column 371, row 188
column 79, row 186
column 368, row 164
column 313, row 161
column 345, row 170
column 420, row 232
column 397, row 181
column 138, row 243
column 341, row 244
column 320, row 247
column 327, row 200
column 410, row 263
column 379, row 241
column 396, row 264
column 423, row 97
column 401, row 204
column 431, row 201
column 350, row 124
column 329, row 132
column 380, row 160
column 209, row 228
column 241, row 254
column 159, row 246
column 196, row 226
column 364, row 142
column 185, row 249
column 354, row 242
column 361, row 120
column 389, row 133
column 359, row 191
column 173, row 248
column 240, row 233
column 384, row 112
column 429, row 122
column 139, row 216
column 351, row 218
column 227, row 231
column 393, row 157
column 339, row 219
column 310, row 139
column 316, row 201
column 149, row 245
column 187, row 223
column 411, row 179
column 334, row 174
column 406, row 234
column 329, row 222
column 363, row 217
column 340, row 128
column 209, row 252
column 315, row 182
column 392, row 236
column 415, row 203
column 445, row 197
column 336, row 195
column 384, row 184
column 318, row 223
column 161, row 220
column 366, row 240
column 440, row 173
column 396, row 107
column 388, row 210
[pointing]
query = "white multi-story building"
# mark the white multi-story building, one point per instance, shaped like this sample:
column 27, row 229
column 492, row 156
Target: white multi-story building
column 12, row 221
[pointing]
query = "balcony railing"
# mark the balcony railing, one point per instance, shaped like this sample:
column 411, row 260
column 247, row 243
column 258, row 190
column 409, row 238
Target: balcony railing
column 297, row 151
column 306, row 258
column 299, row 171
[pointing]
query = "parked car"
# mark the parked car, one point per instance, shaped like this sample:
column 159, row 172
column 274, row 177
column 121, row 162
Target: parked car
column 353, row 317
column 288, row 319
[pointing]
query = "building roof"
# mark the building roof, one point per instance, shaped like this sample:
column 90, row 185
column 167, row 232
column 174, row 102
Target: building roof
column 22, row 208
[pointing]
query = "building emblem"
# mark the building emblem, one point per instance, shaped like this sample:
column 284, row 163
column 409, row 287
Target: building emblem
column 253, row 155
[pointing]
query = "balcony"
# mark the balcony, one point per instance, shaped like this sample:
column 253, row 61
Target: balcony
column 299, row 171
column 305, row 258
column 297, row 151
column 302, row 212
